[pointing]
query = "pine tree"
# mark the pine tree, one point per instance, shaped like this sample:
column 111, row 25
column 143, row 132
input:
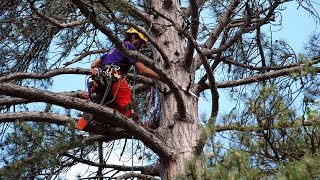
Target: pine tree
column 200, row 49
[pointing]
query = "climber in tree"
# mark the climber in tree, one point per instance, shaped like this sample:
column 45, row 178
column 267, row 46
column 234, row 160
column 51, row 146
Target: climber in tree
column 118, row 66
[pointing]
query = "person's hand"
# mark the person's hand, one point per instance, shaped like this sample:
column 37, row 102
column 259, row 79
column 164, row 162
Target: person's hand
column 94, row 71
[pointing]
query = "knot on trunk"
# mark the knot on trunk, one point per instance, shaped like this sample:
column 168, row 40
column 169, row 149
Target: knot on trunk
column 188, row 118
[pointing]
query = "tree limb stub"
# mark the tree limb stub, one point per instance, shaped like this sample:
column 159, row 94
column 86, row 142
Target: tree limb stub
column 110, row 115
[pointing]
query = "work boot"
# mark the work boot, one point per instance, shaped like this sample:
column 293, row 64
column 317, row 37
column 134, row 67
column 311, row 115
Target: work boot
column 82, row 123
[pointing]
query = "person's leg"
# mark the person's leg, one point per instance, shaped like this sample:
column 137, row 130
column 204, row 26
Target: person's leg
column 122, row 92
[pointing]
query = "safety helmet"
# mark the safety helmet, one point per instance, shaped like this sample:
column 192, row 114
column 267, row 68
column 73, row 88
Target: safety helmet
column 134, row 31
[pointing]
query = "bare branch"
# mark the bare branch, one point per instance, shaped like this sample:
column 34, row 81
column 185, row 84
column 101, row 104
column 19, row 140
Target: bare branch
column 202, row 84
column 210, row 76
column 112, row 166
column 83, row 55
column 37, row 117
column 137, row 13
column 244, row 128
column 53, row 21
column 245, row 30
column 132, row 175
column 48, row 74
column 207, row 130
column 225, row 19
column 265, row 76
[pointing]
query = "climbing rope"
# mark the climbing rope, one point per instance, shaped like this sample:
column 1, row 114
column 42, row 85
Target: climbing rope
column 133, row 99
column 148, row 119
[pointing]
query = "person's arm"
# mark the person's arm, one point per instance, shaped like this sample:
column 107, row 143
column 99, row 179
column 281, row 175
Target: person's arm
column 142, row 69
column 96, row 63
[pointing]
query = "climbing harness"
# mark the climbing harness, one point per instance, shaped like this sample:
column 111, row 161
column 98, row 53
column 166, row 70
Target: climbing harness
column 98, row 86
column 102, row 81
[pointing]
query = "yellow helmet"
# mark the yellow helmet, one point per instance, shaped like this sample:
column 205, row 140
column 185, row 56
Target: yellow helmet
column 134, row 31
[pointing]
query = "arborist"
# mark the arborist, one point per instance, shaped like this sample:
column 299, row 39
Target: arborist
column 116, row 66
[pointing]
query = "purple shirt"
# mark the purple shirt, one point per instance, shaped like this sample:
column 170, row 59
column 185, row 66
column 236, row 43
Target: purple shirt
column 115, row 57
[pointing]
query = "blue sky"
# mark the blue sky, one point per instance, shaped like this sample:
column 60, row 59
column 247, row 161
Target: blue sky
column 297, row 26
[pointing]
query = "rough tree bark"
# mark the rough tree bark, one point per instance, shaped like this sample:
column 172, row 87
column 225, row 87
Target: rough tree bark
column 181, row 134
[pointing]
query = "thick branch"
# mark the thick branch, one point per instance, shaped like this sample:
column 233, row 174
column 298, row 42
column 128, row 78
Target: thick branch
column 211, row 78
column 208, row 130
column 194, row 7
column 98, row 24
column 109, row 133
column 112, row 117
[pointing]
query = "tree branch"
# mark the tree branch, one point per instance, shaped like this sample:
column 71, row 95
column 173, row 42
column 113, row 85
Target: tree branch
column 53, row 21
column 132, row 175
column 194, row 8
column 48, row 74
column 265, row 76
column 61, row 71
column 245, row 30
column 83, row 55
column 225, row 19
column 155, row 171
column 112, row 117
column 137, row 13
column 208, row 130
column 36, row 117
column 109, row 133
column 245, row 128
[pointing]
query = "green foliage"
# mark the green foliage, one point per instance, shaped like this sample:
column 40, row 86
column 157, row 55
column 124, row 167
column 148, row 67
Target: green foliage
column 234, row 165
column 33, row 149
column 305, row 168
column 193, row 171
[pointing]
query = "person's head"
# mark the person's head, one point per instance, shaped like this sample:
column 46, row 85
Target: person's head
column 136, row 38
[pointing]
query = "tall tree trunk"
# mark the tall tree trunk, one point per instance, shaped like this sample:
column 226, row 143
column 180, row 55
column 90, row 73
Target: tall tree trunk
column 179, row 134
